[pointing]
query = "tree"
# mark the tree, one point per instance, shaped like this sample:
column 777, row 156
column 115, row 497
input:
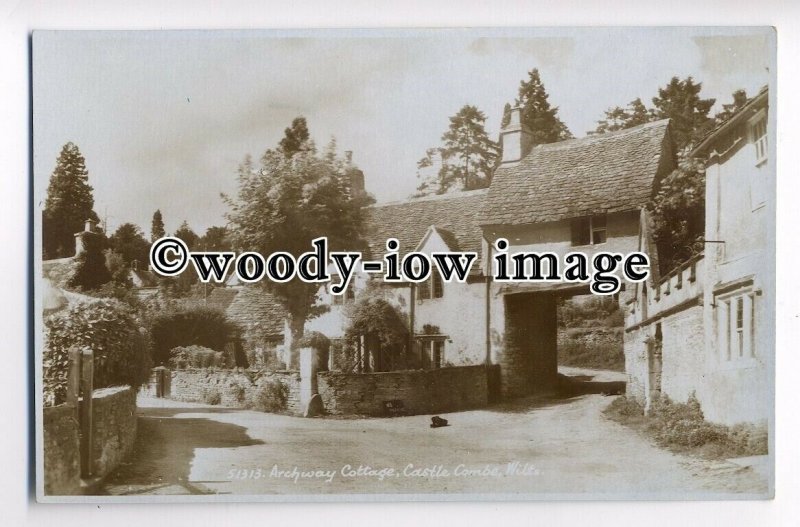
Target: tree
column 678, row 212
column 129, row 241
column 285, row 204
column 618, row 118
column 467, row 156
column 537, row 115
column 68, row 205
column 186, row 234
column 215, row 239
column 157, row 226
column 90, row 269
column 739, row 100
column 296, row 138
column 680, row 101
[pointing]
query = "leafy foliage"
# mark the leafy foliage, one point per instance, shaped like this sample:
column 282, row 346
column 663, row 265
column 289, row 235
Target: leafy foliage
column 90, row 269
column 285, row 204
column 186, row 234
column 682, row 427
column 296, row 138
column 157, row 227
column 678, row 101
column 68, row 205
column 678, row 212
column 129, row 242
column 215, row 239
column 110, row 329
column 374, row 317
column 739, row 100
column 187, row 326
column 467, row 157
column 537, row 115
column 618, row 118
column 271, row 396
column 193, row 356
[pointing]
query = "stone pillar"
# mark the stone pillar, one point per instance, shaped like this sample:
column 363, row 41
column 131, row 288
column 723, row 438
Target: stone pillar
column 309, row 395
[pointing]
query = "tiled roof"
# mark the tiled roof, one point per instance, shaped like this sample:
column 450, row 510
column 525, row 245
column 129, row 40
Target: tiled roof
column 612, row 172
column 252, row 307
column 454, row 215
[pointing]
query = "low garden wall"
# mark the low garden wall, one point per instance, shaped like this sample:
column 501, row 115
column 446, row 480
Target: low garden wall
column 113, row 431
column 237, row 388
column 62, row 458
column 418, row 391
column 113, row 427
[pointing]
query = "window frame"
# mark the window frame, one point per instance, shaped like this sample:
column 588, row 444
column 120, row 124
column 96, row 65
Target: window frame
column 430, row 287
column 593, row 228
column 759, row 136
column 736, row 326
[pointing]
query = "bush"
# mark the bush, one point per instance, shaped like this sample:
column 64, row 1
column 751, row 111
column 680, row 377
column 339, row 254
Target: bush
column 187, row 326
column 271, row 396
column 198, row 357
column 682, row 426
column 212, row 396
column 90, row 269
column 107, row 327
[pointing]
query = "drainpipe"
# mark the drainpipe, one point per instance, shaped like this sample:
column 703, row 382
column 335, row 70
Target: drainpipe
column 488, row 275
column 412, row 294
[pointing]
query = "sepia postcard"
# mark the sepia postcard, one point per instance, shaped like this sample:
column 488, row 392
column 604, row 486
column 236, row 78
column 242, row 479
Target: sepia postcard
column 411, row 265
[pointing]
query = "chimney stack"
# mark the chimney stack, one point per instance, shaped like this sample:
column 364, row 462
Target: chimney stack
column 88, row 229
column 515, row 139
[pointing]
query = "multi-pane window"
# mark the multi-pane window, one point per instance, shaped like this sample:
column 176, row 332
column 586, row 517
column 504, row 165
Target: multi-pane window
column 736, row 326
column 589, row 230
column 432, row 353
column 431, row 288
column 758, row 131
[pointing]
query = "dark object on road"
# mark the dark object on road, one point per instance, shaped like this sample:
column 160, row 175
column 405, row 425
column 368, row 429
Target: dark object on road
column 437, row 422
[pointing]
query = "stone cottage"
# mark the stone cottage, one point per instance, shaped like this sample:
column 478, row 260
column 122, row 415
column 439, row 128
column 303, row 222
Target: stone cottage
column 708, row 327
column 578, row 195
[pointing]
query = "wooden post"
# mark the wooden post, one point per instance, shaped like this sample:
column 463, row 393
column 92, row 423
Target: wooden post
column 359, row 366
column 87, row 387
column 74, row 380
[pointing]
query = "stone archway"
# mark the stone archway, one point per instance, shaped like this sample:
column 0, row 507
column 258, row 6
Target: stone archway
column 529, row 363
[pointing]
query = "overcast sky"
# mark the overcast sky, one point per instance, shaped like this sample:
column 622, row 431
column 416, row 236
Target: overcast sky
column 164, row 118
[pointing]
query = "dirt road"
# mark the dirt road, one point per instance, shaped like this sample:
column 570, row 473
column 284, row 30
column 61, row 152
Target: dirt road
column 542, row 448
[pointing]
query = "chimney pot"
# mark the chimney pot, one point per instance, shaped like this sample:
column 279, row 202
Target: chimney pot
column 515, row 138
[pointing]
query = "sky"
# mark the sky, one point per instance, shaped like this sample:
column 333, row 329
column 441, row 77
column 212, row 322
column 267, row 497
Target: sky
column 165, row 118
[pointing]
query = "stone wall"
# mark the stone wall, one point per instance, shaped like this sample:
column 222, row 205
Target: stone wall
column 235, row 388
column 113, row 427
column 114, row 433
column 62, row 460
column 421, row 391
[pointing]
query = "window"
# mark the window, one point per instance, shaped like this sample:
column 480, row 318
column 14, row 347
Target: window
column 590, row 230
column 736, row 326
column 348, row 296
column 431, row 288
column 432, row 353
column 758, row 133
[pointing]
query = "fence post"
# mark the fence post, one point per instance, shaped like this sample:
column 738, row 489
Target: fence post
column 74, row 380
column 87, row 387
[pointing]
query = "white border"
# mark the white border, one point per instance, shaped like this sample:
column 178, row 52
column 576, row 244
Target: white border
column 17, row 18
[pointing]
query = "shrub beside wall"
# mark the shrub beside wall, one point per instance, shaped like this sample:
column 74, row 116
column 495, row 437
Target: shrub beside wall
column 110, row 329
column 270, row 391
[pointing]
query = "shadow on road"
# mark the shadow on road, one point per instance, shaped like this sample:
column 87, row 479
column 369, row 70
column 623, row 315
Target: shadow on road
column 164, row 449
column 568, row 387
